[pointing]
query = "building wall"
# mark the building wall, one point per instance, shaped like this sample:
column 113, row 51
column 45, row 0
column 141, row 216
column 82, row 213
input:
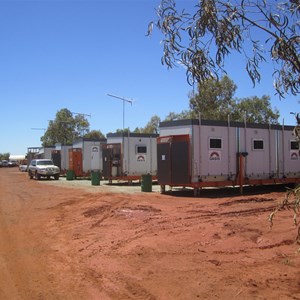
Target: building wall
column 91, row 154
column 268, row 148
column 139, row 153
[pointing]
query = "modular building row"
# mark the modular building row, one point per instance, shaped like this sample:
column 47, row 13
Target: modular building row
column 195, row 153
column 201, row 153
column 120, row 156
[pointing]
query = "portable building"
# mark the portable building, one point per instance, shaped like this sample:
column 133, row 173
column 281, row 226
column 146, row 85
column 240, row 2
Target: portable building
column 201, row 153
column 60, row 156
column 44, row 152
column 129, row 155
column 31, row 153
column 91, row 150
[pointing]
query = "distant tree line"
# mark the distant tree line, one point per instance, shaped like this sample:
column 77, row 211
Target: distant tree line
column 4, row 156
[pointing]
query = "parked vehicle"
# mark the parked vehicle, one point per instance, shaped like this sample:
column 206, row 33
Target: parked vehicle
column 4, row 163
column 23, row 167
column 43, row 168
column 12, row 163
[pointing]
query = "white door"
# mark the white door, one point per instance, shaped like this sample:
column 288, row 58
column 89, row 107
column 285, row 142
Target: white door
column 95, row 158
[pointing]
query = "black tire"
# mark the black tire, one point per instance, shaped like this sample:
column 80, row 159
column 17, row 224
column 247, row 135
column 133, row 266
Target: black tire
column 37, row 176
column 30, row 175
column 56, row 177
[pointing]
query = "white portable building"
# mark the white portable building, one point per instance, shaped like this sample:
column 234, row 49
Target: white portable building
column 44, row 152
column 202, row 153
column 129, row 155
column 91, row 153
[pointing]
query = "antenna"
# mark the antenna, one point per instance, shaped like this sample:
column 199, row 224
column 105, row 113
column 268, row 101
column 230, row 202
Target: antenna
column 38, row 128
column 81, row 114
column 124, row 100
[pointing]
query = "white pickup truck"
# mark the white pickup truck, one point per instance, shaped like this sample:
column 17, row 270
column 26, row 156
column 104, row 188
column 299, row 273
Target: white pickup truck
column 43, row 168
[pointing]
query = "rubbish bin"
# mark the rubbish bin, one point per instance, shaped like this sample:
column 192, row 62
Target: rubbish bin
column 95, row 178
column 70, row 175
column 146, row 184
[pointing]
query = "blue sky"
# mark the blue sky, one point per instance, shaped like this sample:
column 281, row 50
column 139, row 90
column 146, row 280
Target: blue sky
column 58, row 54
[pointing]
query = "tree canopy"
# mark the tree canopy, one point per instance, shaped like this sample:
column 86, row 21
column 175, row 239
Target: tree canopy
column 65, row 128
column 4, row 156
column 214, row 100
column 255, row 110
column 201, row 39
column 94, row 134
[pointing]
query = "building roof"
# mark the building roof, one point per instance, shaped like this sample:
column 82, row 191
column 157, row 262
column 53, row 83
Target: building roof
column 187, row 122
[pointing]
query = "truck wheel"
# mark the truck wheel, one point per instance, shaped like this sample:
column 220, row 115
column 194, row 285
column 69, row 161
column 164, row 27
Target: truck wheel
column 30, row 175
column 37, row 176
column 56, row 177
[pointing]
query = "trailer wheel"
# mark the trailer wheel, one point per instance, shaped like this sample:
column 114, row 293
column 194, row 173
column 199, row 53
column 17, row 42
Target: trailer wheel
column 37, row 176
column 196, row 192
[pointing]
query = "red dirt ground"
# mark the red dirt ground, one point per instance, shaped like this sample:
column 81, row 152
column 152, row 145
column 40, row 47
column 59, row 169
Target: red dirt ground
column 60, row 242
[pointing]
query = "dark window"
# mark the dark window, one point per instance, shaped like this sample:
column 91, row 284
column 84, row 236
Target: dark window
column 215, row 143
column 294, row 145
column 141, row 149
column 258, row 144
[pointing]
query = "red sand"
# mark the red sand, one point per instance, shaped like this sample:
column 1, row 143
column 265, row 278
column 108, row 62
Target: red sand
column 59, row 242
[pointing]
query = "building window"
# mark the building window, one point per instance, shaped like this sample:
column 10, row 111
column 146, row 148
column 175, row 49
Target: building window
column 294, row 145
column 141, row 149
column 258, row 145
column 215, row 143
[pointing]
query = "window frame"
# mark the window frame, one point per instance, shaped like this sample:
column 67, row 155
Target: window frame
column 141, row 146
column 258, row 140
column 215, row 148
column 294, row 142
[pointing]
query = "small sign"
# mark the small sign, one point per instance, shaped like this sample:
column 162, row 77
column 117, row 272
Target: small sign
column 141, row 158
column 294, row 155
column 163, row 157
column 214, row 155
column 95, row 149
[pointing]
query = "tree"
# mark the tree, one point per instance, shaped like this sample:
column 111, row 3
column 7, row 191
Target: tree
column 65, row 128
column 185, row 114
column 255, row 110
column 125, row 130
column 4, row 156
column 94, row 134
column 214, row 98
column 152, row 126
column 202, row 39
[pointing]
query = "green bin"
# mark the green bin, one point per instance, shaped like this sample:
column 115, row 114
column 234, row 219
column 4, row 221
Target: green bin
column 146, row 185
column 95, row 178
column 70, row 175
